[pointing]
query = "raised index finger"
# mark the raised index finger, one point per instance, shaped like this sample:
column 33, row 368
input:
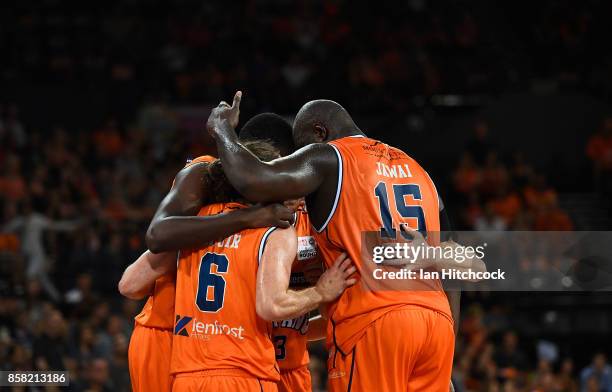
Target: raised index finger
column 237, row 98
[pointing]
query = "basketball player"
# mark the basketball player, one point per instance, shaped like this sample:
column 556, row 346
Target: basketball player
column 352, row 185
column 291, row 336
column 220, row 343
column 149, row 354
column 154, row 274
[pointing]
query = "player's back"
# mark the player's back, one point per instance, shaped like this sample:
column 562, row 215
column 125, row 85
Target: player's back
column 379, row 188
column 216, row 324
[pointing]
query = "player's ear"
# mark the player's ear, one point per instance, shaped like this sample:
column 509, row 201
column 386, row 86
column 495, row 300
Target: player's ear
column 321, row 133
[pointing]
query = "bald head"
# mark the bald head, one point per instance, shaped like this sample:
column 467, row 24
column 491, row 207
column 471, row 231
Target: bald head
column 320, row 121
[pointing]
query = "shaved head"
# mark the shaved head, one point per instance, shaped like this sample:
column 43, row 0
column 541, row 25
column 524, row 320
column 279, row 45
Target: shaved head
column 320, row 121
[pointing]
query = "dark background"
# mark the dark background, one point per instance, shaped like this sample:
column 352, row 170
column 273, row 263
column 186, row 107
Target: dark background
column 506, row 104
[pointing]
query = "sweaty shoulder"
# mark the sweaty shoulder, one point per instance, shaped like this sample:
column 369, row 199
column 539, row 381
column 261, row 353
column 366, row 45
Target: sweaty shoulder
column 321, row 155
column 201, row 159
column 195, row 168
column 280, row 241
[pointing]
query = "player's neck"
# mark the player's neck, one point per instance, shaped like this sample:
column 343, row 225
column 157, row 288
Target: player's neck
column 346, row 132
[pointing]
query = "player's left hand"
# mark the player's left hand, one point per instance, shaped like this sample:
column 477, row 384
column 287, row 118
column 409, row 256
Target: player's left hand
column 336, row 278
column 271, row 215
column 415, row 240
column 224, row 113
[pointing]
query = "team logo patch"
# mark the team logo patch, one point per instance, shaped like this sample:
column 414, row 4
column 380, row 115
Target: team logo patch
column 307, row 248
column 180, row 325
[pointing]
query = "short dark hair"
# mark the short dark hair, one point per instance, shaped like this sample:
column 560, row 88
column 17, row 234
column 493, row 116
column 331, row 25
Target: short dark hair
column 272, row 128
column 220, row 189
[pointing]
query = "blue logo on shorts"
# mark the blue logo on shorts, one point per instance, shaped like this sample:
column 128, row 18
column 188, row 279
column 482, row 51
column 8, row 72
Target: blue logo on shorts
column 181, row 324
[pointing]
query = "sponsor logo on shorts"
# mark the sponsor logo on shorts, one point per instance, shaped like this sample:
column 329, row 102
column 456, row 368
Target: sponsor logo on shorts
column 335, row 374
column 180, row 325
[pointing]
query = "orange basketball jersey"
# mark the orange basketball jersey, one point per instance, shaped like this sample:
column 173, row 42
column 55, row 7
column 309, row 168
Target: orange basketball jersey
column 158, row 311
column 379, row 188
column 216, row 325
column 291, row 336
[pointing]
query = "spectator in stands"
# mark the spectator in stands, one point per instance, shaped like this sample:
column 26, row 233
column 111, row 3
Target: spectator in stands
column 467, row 176
column 12, row 184
column 494, row 175
column 490, row 221
column 32, row 224
column 98, row 377
column 597, row 375
column 565, row 378
column 550, row 217
column 480, row 146
column 51, row 347
column 509, row 356
column 599, row 150
column 506, row 205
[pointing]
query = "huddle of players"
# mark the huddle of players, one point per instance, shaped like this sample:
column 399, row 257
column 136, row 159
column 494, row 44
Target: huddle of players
column 188, row 329
column 383, row 338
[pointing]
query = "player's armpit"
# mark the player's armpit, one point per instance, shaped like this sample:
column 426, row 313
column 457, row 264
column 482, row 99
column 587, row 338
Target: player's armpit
column 139, row 277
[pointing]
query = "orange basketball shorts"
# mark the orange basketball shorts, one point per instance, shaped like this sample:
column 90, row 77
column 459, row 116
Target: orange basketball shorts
column 222, row 380
column 409, row 349
column 149, row 359
column 295, row 380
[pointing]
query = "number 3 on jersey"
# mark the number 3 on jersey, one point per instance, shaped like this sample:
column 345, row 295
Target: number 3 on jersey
column 208, row 279
column 279, row 344
column 406, row 211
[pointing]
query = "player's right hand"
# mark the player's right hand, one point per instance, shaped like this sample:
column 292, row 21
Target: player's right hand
column 271, row 215
column 335, row 279
column 224, row 113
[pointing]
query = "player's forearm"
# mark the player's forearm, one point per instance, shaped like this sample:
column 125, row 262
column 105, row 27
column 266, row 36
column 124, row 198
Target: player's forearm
column 290, row 304
column 183, row 232
column 131, row 289
column 254, row 179
column 138, row 278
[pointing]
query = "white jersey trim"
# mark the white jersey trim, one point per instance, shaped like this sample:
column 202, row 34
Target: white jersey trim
column 338, row 189
column 262, row 244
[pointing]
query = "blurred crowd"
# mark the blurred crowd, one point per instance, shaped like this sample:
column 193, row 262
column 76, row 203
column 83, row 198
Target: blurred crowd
column 496, row 194
column 367, row 57
column 490, row 356
column 75, row 204
column 599, row 151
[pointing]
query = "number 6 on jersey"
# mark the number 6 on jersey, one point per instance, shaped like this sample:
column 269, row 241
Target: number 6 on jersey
column 208, row 279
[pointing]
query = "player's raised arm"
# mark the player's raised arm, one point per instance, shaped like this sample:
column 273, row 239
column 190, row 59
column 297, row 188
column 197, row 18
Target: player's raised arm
column 174, row 227
column 139, row 277
column 274, row 300
column 291, row 177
